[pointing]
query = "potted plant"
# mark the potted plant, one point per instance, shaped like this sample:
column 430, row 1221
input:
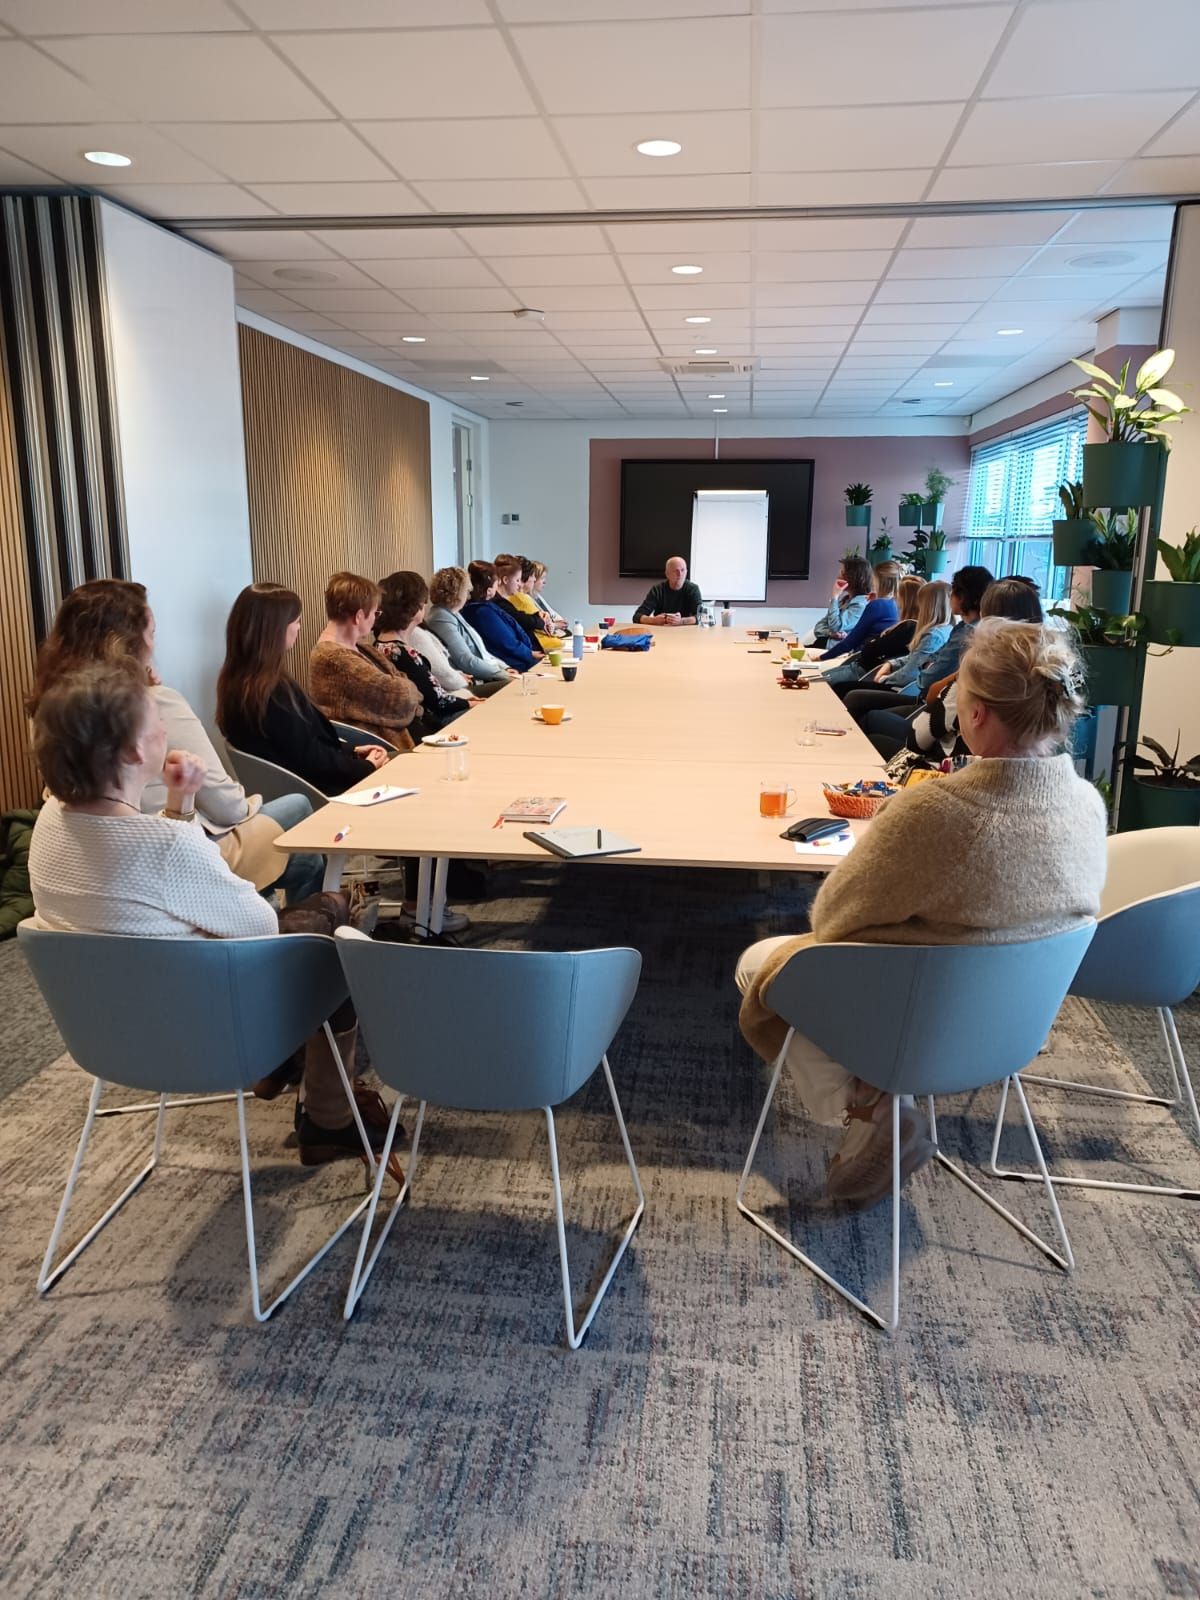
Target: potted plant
column 1111, row 551
column 1108, row 646
column 936, row 484
column 1169, row 797
column 858, row 505
column 937, row 555
column 1124, row 471
column 1173, row 608
column 911, row 508
column 881, row 550
column 1074, row 531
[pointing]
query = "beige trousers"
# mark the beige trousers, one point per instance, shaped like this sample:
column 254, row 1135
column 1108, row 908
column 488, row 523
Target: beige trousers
column 825, row 1088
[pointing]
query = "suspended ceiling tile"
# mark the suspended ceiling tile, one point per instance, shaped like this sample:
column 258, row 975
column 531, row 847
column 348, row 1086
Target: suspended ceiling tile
column 535, row 240
column 1079, row 289
column 46, row 18
column 265, row 301
column 1106, row 53
column 292, row 14
column 337, row 301
column 503, row 194
column 1182, row 138
column 35, row 89
column 639, row 238
column 391, row 244
column 1033, row 181
column 16, row 172
column 664, row 191
column 566, row 323
column 1115, row 224
column 998, row 261
column 842, row 138
column 188, row 199
column 432, row 272
column 911, row 55
column 287, row 275
column 605, row 147
column 700, row 64
column 840, row 188
column 60, row 150
column 901, row 291
column 236, row 245
column 1005, row 228
column 497, row 147
column 341, row 200
column 807, row 316
column 1160, row 175
column 693, row 300
column 854, row 293
column 556, row 271
column 450, row 73
column 278, row 152
column 1064, row 127
column 825, row 266
column 1128, row 258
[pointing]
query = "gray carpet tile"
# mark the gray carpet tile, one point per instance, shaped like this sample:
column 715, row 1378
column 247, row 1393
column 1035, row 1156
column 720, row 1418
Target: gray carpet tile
column 31, row 1041
column 729, row 1429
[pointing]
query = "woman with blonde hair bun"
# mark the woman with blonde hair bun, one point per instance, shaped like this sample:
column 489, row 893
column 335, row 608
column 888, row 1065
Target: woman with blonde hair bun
column 1011, row 847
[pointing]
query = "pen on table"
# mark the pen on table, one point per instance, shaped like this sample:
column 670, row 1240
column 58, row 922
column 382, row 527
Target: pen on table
column 499, row 822
column 599, row 841
column 341, row 834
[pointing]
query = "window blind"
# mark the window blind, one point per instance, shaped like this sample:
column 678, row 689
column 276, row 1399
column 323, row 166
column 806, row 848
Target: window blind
column 1012, row 498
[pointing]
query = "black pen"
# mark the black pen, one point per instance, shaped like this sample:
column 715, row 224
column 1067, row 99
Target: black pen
column 599, row 841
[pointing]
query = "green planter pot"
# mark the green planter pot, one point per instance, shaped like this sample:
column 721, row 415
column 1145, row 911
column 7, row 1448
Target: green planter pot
column 1112, row 672
column 878, row 553
column 858, row 516
column 910, row 516
column 1172, row 607
column 1071, row 541
column 936, row 561
column 932, row 513
column 1120, row 475
column 1156, row 805
column 1111, row 591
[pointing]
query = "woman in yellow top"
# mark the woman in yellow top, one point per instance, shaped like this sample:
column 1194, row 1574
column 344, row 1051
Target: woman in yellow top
column 511, row 597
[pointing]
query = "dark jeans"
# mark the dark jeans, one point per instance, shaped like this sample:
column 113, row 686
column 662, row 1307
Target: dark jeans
column 861, row 702
column 888, row 731
column 324, row 1097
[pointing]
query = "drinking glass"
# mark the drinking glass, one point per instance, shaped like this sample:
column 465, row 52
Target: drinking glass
column 775, row 797
column 457, row 768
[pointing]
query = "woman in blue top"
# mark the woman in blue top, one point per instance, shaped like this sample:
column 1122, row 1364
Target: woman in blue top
column 881, row 612
column 909, row 675
column 849, row 601
column 503, row 637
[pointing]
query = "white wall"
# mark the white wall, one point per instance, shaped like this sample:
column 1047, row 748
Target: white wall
column 541, row 470
column 179, row 419
column 1171, row 699
column 441, row 417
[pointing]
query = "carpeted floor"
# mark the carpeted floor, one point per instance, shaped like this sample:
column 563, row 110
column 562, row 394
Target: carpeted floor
column 729, row 1428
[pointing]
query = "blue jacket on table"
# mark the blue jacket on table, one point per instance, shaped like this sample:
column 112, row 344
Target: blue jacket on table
column 503, row 637
column 880, row 614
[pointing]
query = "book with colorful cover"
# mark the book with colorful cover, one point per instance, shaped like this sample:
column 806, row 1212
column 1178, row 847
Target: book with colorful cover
column 533, row 808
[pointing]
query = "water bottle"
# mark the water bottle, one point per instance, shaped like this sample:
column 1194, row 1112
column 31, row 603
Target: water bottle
column 577, row 640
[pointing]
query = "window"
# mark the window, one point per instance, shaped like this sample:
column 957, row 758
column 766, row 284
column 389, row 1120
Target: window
column 1012, row 499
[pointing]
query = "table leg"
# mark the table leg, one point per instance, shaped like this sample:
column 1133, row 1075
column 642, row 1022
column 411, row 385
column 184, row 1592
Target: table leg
column 333, row 872
column 437, row 909
column 423, row 891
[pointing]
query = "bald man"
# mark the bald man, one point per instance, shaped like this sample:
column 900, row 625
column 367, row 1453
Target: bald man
column 673, row 603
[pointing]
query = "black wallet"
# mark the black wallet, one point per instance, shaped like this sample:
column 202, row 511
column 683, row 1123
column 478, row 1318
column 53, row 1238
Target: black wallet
column 810, row 828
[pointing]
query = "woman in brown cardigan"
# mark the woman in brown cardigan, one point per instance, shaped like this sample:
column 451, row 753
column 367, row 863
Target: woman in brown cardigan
column 351, row 681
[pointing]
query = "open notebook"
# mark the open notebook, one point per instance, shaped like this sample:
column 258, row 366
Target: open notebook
column 576, row 842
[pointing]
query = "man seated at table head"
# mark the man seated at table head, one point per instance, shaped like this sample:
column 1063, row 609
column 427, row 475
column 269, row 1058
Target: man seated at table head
column 673, row 602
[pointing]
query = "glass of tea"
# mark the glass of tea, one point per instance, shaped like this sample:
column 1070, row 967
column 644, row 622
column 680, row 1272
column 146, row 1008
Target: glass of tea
column 775, row 797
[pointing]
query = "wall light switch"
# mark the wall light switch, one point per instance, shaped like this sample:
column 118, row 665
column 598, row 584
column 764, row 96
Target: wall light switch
column 505, row 518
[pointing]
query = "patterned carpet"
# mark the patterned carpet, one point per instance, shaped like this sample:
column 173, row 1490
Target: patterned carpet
column 729, row 1428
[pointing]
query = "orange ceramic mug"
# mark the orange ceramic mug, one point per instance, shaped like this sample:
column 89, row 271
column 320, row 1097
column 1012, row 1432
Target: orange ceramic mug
column 553, row 714
column 775, row 798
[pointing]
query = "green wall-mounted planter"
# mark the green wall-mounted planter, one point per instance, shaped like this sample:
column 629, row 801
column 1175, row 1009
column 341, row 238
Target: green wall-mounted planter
column 858, row 516
column 1160, row 805
column 1172, row 608
column 936, row 561
column 1111, row 591
column 1071, row 541
column 1120, row 475
column 879, row 552
column 932, row 513
column 1112, row 671
column 910, row 516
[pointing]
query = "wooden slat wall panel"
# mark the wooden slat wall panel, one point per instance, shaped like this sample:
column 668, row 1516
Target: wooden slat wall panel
column 18, row 775
column 338, row 472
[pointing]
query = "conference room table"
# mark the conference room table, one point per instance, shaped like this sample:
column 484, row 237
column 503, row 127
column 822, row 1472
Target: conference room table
column 667, row 748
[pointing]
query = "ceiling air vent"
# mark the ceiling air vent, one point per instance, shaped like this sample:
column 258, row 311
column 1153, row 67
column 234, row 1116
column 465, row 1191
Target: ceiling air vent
column 705, row 369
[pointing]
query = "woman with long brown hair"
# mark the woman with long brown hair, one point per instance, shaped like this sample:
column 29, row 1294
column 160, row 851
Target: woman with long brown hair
column 109, row 619
column 262, row 710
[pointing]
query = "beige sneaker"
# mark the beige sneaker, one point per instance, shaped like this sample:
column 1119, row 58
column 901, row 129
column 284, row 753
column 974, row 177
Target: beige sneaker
column 860, row 1174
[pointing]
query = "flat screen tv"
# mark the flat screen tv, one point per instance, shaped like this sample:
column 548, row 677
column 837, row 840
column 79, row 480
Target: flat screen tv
column 657, row 499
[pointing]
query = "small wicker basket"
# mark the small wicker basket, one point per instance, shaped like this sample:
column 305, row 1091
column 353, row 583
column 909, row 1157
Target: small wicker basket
column 853, row 805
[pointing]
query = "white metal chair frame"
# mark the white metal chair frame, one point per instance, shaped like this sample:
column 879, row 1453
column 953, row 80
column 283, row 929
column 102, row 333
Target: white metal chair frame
column 50, row 1273
column 1065, row 1259
column 575, row 1332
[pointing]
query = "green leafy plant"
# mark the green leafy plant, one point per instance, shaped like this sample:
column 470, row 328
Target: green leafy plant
column 1167, row 770
column 852, row 552
column 1093, row 625
column 912, row 499
column 1105, row 790
column 1114, row 545
column 881, row 550
column 1071, row 495
column 936, row 484
column 858, row 494
column 1134, row 416
column 885, row 532
column 1182, row 561
column 937, row 540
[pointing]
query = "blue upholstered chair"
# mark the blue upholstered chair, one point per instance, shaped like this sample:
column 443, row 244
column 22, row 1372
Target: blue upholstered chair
column 943, row 1019
column 1146, row 953
column 428, row 1016
column 186, row 1016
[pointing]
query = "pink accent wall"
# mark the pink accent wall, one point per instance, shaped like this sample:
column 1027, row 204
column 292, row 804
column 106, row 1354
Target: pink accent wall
column 892, row 466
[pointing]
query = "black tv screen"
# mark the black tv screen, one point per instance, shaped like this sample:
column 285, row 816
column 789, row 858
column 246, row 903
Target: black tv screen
column 656, row 510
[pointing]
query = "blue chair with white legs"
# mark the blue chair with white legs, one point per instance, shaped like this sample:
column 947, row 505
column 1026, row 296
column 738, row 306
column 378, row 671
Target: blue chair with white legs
column 1146, row 953
column 943, row 1019
column 185, row 1016
column 428, row 1016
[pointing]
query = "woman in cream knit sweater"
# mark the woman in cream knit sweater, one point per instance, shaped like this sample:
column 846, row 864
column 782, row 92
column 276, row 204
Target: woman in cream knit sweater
column 1010, row 848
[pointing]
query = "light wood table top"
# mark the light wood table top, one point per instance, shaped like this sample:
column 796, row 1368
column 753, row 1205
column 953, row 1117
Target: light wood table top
column 667, row 748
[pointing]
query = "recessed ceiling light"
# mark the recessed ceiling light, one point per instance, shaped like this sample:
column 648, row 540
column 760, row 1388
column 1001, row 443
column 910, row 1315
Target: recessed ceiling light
column 1007, row 333
column 720, row 411
column 944, row 383
column 108, row 158
column 705, row 350
column 716, row 397
column 413, row 338
column 687, row 271
column 478, row 377
column 697, row 319
column 659, row 147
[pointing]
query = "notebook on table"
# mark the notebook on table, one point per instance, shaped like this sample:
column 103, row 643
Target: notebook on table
column 533, row 808
column 576, row 842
